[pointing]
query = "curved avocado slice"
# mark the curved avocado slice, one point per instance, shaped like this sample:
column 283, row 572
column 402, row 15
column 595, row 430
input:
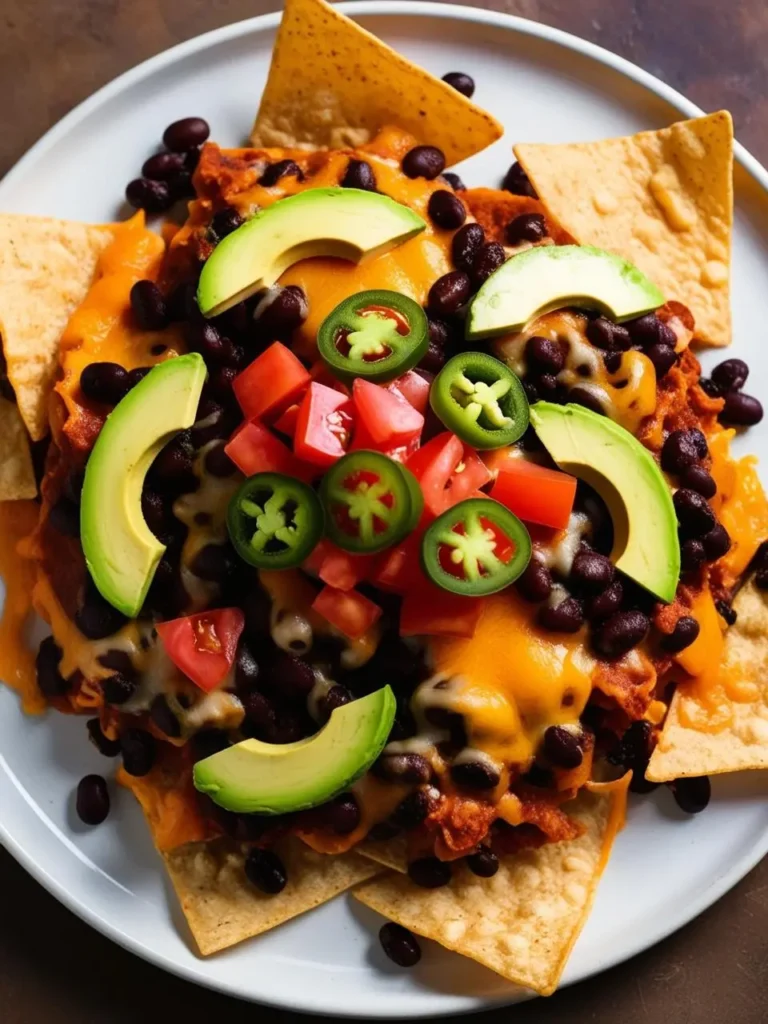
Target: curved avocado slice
column 121, row 552
column 344, row 222
column 554, row 276
column 624, row 473
column 273, row 778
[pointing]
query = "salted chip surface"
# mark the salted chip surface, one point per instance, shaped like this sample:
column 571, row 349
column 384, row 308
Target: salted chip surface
column 17, row 477
column 522, row 922
column 731, row 734
column 661, row 199
column 46, row 269
column 332, row 84
column 223, row 908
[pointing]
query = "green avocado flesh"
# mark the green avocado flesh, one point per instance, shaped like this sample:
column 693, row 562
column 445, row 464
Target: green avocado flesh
column 553, row 277
column 344, row 222
column 626, row 476
column 121, row 552
column 273, row 778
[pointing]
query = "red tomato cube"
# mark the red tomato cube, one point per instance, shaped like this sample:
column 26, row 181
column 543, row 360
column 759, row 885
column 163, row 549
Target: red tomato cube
column 271, row 383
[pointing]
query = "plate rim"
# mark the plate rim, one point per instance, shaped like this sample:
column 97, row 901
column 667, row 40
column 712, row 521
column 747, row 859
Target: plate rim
column 390, row 8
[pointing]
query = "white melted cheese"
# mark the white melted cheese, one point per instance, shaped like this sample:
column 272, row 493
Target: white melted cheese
column 559, row 555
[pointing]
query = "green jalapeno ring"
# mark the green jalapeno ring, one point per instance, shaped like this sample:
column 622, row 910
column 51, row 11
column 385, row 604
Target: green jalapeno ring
column 474, row 550
column 275, row 521
column 376, row 336
column 365, row 504
column 481, row 400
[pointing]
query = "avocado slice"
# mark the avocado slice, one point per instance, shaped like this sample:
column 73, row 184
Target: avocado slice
column 348, row 223
column 553, row 276
column 121, row 552
column 624, row 473
column 252, row 777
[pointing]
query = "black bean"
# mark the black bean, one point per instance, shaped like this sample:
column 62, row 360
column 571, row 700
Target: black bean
column 730, row 375
column 336, row 697
column 716, row 543
column 208, row 742
column 266, row 871
column 283, row 674
column 186, row 134
column 462, row 83
column 423, row 162
column 761, row 579
column 760, row 560
column 484, row 863
column 172, row 469
column 548, row 387
column 454, row 181
column 679, row 451
column 182, row 303
column 475, row 775
column 49, row 678
column 136, row 376
column 582, row 395
column 740, row 410
column 607, row 335
column 685, row 632
column 281, row 169
column 92, row 801
column 591, row 571
column 118, row 661
column 535, row 583
column 648, row 330
column 64, row 517
column 224, row 223
column 451, row 721
column 531, row 392
column 518, row 183
column 246, row 668
column 449, row 293
column 538, row 775
column 490, row 256
column 259, row 712
column 164, row 718
column 710, row 388
column 383, row 831
column 566, row 617
column 446, row 210
column 399, row 944
column 562, row 748
column 139, row 751
column 727, row 612
column 663, row 358
column 104, row 382
column 602, row 606
column 693, row 512
column 435, row 357
column 528, row 227
column 696, row 478
column 359, row 174
column 429, row 872
column 192, row 158
column 692, row 795
column 181, row 186
column 699, row 442
column 692, row 555
column 163, row 166
column 220, row 382
column 148, row 306
column 152, row 196
column 342, row 814
column 412, row 810
column 96, row 618
column 118, row 689
column 213, row 563
column 285, row 313
column 218, row 463
column 105, row 746
column 465, row 245
column 612, row 361
column 410, row 768
column 544, row 355
column 620, row 633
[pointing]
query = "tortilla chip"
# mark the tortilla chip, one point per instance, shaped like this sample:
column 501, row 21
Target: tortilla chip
column 17, row 477
column 523, row 922
column 221, row 906
column 741, row 741
column 332, row 84
column 662, row 199
column 390, row 853
column 46, row 268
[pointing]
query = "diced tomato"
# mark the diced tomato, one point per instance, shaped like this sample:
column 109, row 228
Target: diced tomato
column 324, row 425
column 536, row 494
column 320, row 373
column 362, row 440
column 414, row 389
column 349, row 611
column 203, row 646
column 272, row 382
column 313, row 563
column 430, row 611
column 343, row 570
column 386, row 415
column 286, row 424
column 255, row 449
column 448, row 470
column 399, row 568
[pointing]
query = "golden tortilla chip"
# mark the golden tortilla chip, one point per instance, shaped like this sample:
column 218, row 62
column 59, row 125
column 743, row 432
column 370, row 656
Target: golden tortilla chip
column 332, row 84
column 390, row 853
column 221, row 906
column 737, row 739
column 17, row 477
column 663, row 200
column 523, row 922
column 46, row 269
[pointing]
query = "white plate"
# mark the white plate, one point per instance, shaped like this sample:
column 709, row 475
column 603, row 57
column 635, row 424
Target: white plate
column 544, row 85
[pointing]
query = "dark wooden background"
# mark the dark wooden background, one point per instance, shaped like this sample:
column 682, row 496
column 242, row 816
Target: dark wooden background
column 56, row 970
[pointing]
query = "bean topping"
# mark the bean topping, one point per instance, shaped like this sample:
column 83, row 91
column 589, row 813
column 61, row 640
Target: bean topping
column 446, row 210
column 105, row 746
column 528, row 227
column 152, row 196
column 96, row 618
column 92, row 801
column 679, row 451
column 139, row 750
column 692, row 795
column 692, row 555
column 359, row 174
column 281, row 169
column 399, row 944
column 213, row 563
column 696, row 478
column 411, row 768
column 489, row 258
column 259, row 713
column 693, row 513
column 518, row 183
column 461, row 83
column 685, row 632
column 535, row 583
column 484, row 863
column 342, row 814
column 475, row 775
column 137, row 375
column 218, row 463
column 163, row 166
column 224, row 223
column 283, row 674
column 607, row 335
column 454, row 181
column 104, row 382
column 761, row 579
column 429, row 872
column 423, row 162
column 188, row 133
column 741, row 410
column 286, row 313
column 465, row 245
column 727, row 612
column 620, row 633
column 663, row 358
column 601, row 606
column 731, row 374
column 163, row 717
column 449, row 293
column 246, row 669
column 716, row 543
column 583, row 396
column 50, row 680
column 412, row 810
column 566, row 617
column 383, row 831
column 336, row 697
column 591, row 571
column 634, row 751
column 65, row 517
column 208, row 742
column 544, row 355
column 148, row 306
column 648, row 330
column 699, row 442
column 265, row 871
column 562, row 748
column 118, row 689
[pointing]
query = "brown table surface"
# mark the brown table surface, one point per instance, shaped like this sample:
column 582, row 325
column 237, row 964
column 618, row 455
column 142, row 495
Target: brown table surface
column 56, row 970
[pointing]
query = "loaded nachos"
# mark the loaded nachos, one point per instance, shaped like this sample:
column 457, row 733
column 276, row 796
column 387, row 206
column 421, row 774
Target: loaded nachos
column 386, row 529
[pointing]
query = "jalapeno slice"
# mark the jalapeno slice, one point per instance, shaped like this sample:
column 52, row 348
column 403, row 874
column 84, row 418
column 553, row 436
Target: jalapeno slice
column 274, row 521
column 475, row 548
column 376, row 334
column 370, row 501
column 481, row 400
